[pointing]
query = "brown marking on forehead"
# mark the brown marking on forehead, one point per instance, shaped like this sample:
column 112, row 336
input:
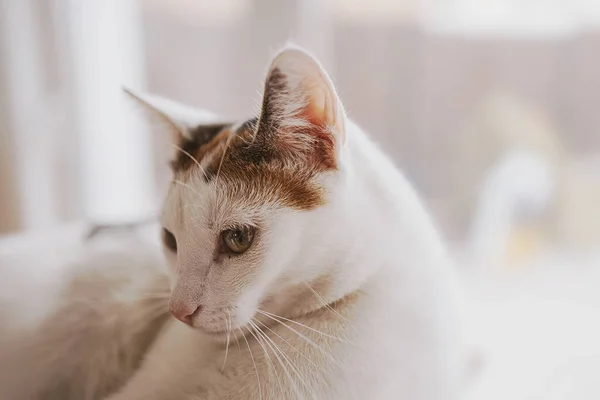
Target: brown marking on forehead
column 251, row 168
column 272, row 182
column 200, row 137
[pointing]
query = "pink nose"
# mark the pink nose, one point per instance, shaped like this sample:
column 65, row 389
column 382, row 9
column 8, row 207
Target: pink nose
column 184, row 312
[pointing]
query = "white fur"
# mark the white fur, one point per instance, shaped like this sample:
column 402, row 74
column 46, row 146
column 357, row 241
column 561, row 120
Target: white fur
column 401, row 338
column 77, row 315
column 382, row 322
column 385, row 322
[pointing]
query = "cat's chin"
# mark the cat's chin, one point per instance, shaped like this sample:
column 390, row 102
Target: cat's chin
column 219, row 336
column 212, row 331
column 209, row 332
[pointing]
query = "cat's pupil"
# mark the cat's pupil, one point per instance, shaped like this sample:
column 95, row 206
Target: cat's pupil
column 238, row 236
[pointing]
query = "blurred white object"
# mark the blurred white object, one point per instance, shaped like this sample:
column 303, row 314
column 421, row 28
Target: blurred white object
column 116, row 152
column 510, row 18
column 538, row 328
column 520, row 180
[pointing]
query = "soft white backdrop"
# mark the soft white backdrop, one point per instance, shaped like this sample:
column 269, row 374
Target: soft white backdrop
column 465, row 95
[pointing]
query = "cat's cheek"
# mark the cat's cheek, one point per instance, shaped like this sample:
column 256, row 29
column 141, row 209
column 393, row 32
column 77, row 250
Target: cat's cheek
column 244, row 313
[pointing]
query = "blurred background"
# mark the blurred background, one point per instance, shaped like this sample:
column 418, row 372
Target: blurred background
column 490, row 107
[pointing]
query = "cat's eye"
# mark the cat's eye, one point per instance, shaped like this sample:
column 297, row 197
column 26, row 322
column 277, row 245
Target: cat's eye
column 238, row 240
column 169, row 240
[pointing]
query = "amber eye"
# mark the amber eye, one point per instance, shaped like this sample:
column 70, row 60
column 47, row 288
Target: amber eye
column 169, row 240
column 238, row 240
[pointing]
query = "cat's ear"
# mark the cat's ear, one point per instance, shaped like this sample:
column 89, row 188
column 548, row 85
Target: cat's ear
column 178, row 119
column 188, row 128
column 301, row 110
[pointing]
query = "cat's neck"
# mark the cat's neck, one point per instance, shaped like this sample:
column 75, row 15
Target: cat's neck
column 374, row 224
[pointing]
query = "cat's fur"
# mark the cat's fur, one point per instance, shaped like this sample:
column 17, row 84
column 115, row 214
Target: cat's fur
column 78, row 315
column 357, row 298
column 345, row 293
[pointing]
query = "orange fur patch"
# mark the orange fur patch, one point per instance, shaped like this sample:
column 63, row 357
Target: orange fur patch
column 251, row 168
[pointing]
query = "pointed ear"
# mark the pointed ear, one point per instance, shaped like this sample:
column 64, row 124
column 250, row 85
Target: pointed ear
column 301, row 110
column 179, row 119
column 187, row 127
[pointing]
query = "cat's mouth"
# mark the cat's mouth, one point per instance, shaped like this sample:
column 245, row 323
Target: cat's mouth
column 223, row 335
column 222, row 332
column 210, row 328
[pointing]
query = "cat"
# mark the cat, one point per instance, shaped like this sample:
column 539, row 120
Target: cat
column 302, row 264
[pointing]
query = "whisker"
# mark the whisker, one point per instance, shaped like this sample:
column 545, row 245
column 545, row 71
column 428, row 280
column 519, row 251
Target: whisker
column 186, row 186
column 227, row 143
column 278, row 360
column 272, row 369
column 228, row 334
column 322, row 300
column 309, row 341
column 253, row 362
column 304, row 326
column 243, row 139
column 274, row 348
column 237, row 340
column 287, row 358
column 288, row 343
column 192, row 158
column 306, row 338
column 255, row 135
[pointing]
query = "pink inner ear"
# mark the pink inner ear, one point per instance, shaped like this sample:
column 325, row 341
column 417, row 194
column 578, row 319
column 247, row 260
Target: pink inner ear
column 323, row 148
column 311, row 117
column 316, row 111
column 323, row 107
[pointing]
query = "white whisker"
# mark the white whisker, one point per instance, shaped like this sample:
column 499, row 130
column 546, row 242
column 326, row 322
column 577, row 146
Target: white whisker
column 275, row 349
column 288, row 343
column 227, row 327
column 227, row 143
column 322, row 300
column 186, row 186
column 272, row 369
column 304, row 326
column 253, row 362
column 307, row 340
column 191, row 157
column 287, row 358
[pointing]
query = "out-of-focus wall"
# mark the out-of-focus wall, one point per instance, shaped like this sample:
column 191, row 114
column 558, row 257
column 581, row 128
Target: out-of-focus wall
column 40, row 163
column 447, row 96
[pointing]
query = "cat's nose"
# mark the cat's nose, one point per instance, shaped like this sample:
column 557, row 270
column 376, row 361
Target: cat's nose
column 184, row 312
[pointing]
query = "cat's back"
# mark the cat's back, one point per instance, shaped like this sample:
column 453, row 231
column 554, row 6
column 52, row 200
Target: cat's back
column 77, row 315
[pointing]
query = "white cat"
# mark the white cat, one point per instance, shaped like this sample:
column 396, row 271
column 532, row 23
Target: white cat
column 302, row 264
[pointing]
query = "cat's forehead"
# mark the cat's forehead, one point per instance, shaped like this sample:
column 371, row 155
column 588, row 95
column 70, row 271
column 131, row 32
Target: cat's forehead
column 226, row 164
column 204, row 147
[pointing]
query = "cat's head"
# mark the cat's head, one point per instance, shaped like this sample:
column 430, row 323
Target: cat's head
column 247, row 198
